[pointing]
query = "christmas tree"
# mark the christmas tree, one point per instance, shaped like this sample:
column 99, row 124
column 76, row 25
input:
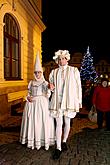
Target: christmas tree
column 87, row 70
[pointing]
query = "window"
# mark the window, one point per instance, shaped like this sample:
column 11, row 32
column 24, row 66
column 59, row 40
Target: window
column 12, row 64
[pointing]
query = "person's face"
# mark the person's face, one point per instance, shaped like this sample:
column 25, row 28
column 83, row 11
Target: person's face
column 38, row 74
column 104, row 83
column 62, row 61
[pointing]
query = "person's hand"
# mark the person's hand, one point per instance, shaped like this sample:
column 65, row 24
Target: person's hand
column 29, row 98
column 51, row 86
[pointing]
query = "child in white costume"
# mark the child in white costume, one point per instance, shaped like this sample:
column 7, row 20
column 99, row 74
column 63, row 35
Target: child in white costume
column 37, row 127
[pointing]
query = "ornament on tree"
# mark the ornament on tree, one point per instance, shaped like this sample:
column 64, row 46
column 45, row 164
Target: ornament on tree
column 87, row 70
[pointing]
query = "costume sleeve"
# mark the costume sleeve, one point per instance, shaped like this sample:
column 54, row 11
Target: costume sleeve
column 45, row 85
column 79, row 87
column 51, row 77
column 48, row 92
column 30, row 88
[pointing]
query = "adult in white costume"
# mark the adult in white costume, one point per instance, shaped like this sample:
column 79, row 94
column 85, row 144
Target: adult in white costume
column 65, row 84
column 37, row 127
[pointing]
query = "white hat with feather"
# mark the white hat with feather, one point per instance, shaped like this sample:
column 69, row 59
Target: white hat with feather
column 61, row 53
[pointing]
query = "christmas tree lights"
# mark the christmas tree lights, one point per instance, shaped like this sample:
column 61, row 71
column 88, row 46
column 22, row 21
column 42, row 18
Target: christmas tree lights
column 87, row 70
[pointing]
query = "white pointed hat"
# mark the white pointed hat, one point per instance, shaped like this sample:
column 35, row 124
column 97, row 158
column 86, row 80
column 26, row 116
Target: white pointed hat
column 38, row 66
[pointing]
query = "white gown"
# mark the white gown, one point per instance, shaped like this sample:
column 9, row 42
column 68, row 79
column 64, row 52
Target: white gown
column 37, row 127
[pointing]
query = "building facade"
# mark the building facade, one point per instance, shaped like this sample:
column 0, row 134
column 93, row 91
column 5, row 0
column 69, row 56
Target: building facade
column 21, row 30
column 76, row 60
column 103, row 69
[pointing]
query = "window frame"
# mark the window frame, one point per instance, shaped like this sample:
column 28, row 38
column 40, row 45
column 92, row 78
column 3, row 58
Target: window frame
column 10, row 57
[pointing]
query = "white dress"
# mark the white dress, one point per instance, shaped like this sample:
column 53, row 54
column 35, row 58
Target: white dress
column 37, row 127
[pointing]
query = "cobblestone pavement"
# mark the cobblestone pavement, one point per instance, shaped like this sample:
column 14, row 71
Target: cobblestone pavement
column 86, row 146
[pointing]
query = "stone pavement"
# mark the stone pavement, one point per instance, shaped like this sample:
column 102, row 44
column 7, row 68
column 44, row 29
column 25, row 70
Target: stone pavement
column 86, row 146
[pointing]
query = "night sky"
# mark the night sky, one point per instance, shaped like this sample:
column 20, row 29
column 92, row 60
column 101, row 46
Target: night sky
column 73, row 25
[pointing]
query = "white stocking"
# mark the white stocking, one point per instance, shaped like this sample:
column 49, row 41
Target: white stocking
column 66, row 128
column 59, row 123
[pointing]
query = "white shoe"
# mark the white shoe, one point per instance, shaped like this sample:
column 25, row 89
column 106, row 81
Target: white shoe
column 46, row 148
column 38, row 148
column 32, row 147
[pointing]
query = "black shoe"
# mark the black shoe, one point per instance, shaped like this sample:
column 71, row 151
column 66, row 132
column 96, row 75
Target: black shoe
column 56, row 154
column 64, row 146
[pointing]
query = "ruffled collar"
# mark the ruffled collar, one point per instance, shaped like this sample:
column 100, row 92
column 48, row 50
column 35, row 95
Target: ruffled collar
column 63, row 67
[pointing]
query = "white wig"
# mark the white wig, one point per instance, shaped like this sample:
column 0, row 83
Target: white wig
column 60, row 54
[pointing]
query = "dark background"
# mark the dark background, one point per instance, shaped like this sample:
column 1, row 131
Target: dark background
column 73, row 25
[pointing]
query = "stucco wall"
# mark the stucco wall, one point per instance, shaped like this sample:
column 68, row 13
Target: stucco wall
column 30, row 27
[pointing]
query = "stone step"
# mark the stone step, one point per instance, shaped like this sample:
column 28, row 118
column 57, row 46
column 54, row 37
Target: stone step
column 12, row 121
